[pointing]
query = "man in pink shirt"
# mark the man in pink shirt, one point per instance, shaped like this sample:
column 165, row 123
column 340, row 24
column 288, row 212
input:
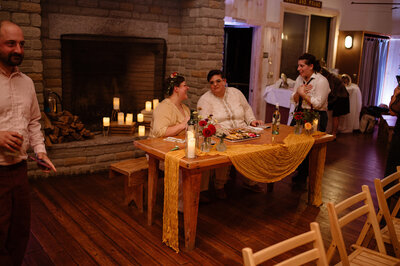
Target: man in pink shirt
column 19, row 128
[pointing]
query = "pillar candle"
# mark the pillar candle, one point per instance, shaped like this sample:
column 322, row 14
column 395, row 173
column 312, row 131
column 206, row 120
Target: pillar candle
column 148, row 106
column 315, row 125
column 140, row 118
column 116, row 103
column 129, row 119
column 106, row 121
column 121, row 117
column 141, row 131
column 191, row 148
column 155, row 103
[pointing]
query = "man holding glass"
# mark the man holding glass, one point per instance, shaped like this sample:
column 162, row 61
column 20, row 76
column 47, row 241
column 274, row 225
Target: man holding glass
column 19, row 128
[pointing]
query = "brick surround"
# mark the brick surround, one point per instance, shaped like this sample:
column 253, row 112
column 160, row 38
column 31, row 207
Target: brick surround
column 193, row 29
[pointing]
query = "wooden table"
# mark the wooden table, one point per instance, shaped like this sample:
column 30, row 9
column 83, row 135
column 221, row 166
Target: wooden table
column 192, row 169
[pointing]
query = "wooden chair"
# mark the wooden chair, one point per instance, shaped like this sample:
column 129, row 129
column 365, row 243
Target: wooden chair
column 391, row 232
column 317, row 253
column 135, row 172
column 353, row 211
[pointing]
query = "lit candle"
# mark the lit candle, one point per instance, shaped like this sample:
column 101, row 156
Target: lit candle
column 106, row 121
column 141, row 131
column 121, row 117
column 315, row 125
column 191, row 148
column 129, row 119
column 155, row 103
column 190, row 134
column 148, row 106
column 140, row 118
column 116, row 103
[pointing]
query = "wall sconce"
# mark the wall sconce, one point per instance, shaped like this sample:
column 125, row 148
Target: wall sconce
column 348, row 42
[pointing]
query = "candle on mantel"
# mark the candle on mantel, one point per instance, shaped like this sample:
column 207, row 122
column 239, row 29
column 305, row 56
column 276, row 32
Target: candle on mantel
column 116, row 103
column 140, row 118
column 129, row 119
column 106, row 121
column 121, row 117
column 141, row 131
column 191, row 148
column 148, row 106
column 155, row 103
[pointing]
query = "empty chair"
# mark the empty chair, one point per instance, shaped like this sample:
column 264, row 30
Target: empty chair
column 385, row 194
column 317, row 253
column 349, row 211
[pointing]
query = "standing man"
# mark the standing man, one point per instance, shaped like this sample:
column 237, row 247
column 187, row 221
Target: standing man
column 19, row 128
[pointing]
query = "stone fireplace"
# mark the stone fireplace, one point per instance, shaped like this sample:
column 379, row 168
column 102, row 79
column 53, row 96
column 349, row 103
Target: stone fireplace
column 97, row 68
column 191, row 30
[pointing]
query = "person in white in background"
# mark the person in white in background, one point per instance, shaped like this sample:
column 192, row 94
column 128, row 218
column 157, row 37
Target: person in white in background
column 19, row 127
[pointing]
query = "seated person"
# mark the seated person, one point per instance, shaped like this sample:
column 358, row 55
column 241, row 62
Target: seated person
column 231, row 109
column 170, row 119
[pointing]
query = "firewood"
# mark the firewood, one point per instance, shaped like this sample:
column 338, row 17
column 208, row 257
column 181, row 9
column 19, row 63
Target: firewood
column 47, row 122
column 60, row 139
column 47, row 141
column 53, row 138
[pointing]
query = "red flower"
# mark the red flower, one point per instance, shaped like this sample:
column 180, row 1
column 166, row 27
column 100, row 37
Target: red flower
column 212, row 129
column 202, row 123
column 207, row 132
column 173, row 75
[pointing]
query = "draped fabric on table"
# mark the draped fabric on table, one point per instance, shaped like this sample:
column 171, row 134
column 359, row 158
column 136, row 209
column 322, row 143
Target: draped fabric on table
column 372, row 72
column 262, row 163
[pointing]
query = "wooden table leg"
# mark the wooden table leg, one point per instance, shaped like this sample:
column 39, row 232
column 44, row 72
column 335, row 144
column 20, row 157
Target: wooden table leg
column 152, row 188
column 316, row 171
column 191, row 193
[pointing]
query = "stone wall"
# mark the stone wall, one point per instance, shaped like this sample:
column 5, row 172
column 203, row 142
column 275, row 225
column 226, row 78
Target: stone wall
column 193, row 31
column 27, row 14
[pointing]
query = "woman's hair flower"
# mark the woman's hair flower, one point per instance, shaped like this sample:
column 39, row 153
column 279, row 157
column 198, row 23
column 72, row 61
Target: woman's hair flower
column 174, row 74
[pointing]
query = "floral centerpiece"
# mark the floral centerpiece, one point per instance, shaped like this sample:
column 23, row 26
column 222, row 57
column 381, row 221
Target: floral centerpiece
column 207, row 129
column 305, row 117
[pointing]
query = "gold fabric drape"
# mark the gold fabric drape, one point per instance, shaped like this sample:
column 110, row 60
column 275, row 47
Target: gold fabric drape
column 262, row 163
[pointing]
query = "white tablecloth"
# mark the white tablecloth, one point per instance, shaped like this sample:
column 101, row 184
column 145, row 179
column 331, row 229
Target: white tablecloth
column 351, row 121
column 274, row 95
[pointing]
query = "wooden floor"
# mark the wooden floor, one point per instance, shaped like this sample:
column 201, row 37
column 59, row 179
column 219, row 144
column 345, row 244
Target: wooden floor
column 81, row 220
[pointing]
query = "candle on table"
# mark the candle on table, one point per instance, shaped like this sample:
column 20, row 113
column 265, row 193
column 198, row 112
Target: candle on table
column 106, row 121
column 191, row 148
column 315, row 125
column 116, row 103
column 141, row 131
column 148, row 106
column 155, row 103
column 140, row 118
column 190, row 134
column 129, row 119
column 121, row 117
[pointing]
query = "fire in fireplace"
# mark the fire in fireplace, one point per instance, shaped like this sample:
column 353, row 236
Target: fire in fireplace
column 97, row 68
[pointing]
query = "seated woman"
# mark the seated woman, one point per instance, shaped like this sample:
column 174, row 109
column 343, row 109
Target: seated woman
column 231, row 109
column 171, row 116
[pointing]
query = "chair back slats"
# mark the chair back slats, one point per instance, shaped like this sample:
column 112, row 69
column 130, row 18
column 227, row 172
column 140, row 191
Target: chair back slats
column 317, row 253
column 385, row 196
column 337, row 223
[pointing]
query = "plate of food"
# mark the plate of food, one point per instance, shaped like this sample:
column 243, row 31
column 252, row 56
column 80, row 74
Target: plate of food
column 241, row 134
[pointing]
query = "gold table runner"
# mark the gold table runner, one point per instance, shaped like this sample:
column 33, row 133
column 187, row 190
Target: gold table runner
column 262, row 163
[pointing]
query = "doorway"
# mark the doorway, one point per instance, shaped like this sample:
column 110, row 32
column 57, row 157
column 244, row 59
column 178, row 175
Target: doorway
column 237, row 57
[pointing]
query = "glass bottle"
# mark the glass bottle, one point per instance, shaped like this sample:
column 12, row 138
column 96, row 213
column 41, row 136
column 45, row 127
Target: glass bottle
column 190, row 147
column 276, row 120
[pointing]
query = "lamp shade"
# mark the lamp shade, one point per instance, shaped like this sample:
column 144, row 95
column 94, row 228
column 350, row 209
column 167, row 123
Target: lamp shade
column 348, row 42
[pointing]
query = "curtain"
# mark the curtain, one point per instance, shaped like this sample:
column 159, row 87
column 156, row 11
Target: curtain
column 373, row 66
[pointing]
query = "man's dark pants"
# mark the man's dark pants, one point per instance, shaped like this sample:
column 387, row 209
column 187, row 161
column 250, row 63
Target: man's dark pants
column 15, row 213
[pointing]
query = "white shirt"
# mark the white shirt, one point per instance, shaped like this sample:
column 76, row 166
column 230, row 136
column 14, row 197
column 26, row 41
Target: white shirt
column 19, row 112
column 230, row 111
column 318, row 94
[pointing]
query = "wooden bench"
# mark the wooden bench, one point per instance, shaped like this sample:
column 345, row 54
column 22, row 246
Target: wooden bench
column 135, row 172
